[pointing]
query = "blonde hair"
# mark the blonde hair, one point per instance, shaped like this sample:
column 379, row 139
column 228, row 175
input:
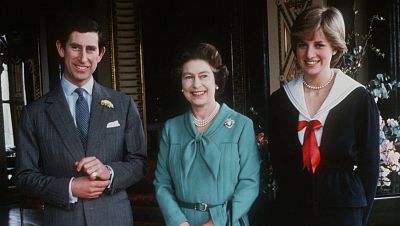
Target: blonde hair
column 327, row 19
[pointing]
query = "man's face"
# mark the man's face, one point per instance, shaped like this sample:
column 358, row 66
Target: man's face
column 81, row 56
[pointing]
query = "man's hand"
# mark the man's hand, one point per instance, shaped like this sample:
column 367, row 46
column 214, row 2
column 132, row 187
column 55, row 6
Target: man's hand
column 93, row 168
column 87, row 188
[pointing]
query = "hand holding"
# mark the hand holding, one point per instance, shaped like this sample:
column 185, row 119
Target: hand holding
column 209, row 223
column 94, row 168
column 185, row 224
column 87, row 188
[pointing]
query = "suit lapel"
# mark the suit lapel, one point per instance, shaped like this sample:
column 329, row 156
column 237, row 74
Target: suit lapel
column 59, row 113
column 98, row 117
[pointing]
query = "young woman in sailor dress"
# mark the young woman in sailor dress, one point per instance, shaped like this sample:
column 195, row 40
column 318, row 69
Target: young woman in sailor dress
column 324, row 132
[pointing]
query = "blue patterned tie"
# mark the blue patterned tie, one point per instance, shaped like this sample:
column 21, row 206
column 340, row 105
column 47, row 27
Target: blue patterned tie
column 82, row 116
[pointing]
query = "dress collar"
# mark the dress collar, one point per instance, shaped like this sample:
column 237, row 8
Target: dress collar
column 202, row 142
column 224, row 113
column 342, row 86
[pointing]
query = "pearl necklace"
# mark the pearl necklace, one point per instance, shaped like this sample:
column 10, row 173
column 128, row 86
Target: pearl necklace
column 321, row 86
column 210, row 117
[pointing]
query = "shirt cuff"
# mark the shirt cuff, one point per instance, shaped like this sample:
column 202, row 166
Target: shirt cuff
column 111, row 177
column 72, row 198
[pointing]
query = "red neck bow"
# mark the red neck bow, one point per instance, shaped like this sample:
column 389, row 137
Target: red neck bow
column 311, row 156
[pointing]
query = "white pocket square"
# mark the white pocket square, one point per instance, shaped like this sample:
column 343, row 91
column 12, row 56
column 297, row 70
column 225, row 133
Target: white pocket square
column 113, row 124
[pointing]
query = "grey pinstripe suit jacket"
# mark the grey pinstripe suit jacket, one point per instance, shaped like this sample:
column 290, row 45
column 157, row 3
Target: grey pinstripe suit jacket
column 48, row 146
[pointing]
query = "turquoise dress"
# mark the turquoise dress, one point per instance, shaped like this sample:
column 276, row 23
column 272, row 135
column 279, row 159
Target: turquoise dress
column 213, row 167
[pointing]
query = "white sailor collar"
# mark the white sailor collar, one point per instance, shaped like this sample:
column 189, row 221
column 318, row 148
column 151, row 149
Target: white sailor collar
column 343, row 85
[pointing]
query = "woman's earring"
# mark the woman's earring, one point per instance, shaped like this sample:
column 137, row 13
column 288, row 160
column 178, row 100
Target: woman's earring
column 182, row 90
column 217, row 88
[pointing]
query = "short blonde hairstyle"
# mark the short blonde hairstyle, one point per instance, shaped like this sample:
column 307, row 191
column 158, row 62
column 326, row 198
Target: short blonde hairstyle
column 327, row 19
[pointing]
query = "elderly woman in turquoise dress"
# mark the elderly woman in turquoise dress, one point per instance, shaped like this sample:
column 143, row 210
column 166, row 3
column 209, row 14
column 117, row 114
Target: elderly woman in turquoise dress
column 208, row 164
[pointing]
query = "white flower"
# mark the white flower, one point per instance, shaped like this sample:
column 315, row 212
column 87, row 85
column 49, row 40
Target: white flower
column 384, row 171
column 392, row 123
column 390, row 146
column 106, row 103
column 384, row 181
column 393, row 159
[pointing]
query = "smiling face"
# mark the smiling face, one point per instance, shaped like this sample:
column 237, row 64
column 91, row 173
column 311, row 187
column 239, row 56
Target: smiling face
column 81, row 55
column 198, row 83
column 314, row 55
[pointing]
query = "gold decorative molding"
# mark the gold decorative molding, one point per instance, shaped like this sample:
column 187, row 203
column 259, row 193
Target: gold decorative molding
column 36, row 78
column 36, row 72
column 112, row 49
column 127, row 52
column 295, row 4
column 287, row 13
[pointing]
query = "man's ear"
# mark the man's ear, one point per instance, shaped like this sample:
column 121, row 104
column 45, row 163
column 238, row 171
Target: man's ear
column 60, row 49
column 101, row 54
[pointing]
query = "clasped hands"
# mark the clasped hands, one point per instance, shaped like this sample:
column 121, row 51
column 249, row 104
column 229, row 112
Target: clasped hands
column 209, row 223
column 96, row 180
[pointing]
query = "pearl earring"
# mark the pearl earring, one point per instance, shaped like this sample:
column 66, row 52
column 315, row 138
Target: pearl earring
column 217, row 87
column 182, row 90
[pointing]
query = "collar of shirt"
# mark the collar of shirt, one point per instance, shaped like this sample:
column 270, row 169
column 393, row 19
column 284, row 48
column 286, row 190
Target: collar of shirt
column 71, row 96
column 343, row 85
column 69, row 88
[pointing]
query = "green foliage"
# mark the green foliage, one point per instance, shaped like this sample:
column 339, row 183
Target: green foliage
column 381, row 86
column 354, row 58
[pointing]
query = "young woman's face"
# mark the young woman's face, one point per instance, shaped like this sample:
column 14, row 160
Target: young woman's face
column 198, row 83
column 314, row 55
column 81, row 56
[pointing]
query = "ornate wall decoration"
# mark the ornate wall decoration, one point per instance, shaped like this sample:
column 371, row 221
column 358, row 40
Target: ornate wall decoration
column 17, row 86
column 126, row 52
column 36, row 78
column 287, row 13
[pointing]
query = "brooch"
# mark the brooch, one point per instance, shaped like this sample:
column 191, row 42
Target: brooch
column 106, row 103
column 229, row 123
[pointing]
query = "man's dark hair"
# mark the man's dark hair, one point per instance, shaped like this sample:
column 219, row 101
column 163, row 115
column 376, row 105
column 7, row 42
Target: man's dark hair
column 80, row 24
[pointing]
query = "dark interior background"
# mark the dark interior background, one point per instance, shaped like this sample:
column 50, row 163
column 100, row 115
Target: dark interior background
column 166, row 27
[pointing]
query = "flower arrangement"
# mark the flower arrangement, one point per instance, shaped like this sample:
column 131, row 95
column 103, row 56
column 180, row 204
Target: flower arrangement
column 389, row 137
column 380, row 87
column 389, row 145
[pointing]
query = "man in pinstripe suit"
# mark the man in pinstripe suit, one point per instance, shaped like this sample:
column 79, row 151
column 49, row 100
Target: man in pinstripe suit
column 82, row 181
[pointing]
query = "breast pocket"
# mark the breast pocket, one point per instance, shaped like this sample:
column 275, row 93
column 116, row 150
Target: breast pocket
column 113, row 128
column 114, row 134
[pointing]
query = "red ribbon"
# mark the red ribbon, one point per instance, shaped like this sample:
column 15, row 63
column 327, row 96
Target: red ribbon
column 311, row 156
